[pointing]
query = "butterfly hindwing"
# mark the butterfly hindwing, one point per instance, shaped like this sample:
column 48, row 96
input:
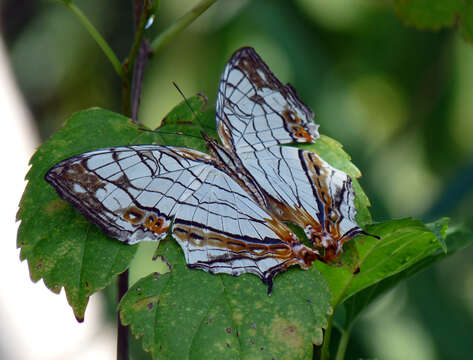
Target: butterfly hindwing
column 313, row 194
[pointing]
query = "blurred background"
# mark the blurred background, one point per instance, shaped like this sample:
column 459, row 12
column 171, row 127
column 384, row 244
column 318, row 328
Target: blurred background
column 399, row 100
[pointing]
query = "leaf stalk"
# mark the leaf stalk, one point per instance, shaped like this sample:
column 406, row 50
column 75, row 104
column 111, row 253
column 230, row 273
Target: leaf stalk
column 343, row 343
column 140, row 29
column 325, row 354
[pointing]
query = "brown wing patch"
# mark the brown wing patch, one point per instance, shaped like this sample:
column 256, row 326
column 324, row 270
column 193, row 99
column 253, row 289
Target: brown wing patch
column 200, row 238
column 145, row 219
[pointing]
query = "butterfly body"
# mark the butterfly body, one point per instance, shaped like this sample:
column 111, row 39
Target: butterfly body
column 229, row 210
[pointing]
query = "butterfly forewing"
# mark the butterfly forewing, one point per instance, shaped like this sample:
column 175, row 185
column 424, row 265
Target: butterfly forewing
column 254, row 110
column 134, row 193
column 131, row 192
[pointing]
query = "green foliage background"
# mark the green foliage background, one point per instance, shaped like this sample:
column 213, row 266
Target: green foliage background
column 397, row 98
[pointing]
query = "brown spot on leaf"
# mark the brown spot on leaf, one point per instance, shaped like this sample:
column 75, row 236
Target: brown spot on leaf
column 184, row 122
column 288, row 335
column 228, row 330
column 55, row 206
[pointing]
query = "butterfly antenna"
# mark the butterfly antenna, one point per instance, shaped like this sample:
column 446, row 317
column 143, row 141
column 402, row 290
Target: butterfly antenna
column 169, row 132
column 371, row 235
column 188, row 104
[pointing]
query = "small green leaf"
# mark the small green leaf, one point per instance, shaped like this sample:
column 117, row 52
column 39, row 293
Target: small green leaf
column 436, row 14
column 195, row 315
column 403, row 244
column 182, row 120
column 456, row 238
column 439, row 228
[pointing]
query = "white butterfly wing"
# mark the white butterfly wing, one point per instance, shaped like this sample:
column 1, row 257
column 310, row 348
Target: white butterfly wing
column 131, row 192
column 255, row 111
column 255, row 114
column 136, row 193
column 301, row 180
column 222, row 230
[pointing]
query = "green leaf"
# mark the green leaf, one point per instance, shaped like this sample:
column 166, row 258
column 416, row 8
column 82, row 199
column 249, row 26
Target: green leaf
column 456, row 238
column 189, row 314
column 182, row 120
column 403, row 244
column 436, row 14
column 61, row 246
column 439, row 228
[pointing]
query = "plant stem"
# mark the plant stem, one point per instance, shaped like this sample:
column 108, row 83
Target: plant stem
column 107, row 50
column 126, row 94
column 122, row 331
column 325, row 355
column 168, row 34
column 342, row 345
column 139, row 55
column 138, row 71
column 139, row 31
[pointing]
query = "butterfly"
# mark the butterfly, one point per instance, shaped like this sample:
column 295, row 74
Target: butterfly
column 229, row 210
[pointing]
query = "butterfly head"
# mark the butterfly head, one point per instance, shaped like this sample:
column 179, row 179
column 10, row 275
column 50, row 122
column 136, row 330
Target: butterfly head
column 304, row 255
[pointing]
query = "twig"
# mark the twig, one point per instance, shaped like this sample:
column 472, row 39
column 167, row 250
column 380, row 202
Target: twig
column 342, row 345
column 123, row 334
column 141, row 14
column 136, row 61
column 325, row 355
column 138, row 70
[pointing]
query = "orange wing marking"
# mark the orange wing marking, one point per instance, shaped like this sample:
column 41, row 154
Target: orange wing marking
column 149, row 221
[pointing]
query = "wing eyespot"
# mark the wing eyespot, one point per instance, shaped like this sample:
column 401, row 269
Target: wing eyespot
column 133, row 215
column 291, row 117
column 155, row 224
column 301, row 134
